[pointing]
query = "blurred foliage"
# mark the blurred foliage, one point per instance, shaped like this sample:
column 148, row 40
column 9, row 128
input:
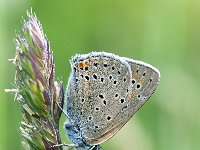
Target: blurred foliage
column 165, row 34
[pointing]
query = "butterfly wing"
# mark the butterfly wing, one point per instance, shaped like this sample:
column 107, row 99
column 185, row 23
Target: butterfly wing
column 98, row 87
column 144, row 80
column 104, row 91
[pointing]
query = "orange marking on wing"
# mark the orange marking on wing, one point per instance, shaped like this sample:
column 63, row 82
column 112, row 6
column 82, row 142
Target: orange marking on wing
column 83, row 64
column 137, row 78
column 80, row 65
column 133, row 93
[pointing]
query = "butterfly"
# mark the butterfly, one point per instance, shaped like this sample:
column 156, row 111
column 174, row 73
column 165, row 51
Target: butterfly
column 104, row 91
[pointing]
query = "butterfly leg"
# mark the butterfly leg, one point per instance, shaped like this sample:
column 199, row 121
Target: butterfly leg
column 69, row 146
column 96, row 147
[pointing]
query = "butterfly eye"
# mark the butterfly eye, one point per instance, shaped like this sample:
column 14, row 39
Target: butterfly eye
column 68, row 125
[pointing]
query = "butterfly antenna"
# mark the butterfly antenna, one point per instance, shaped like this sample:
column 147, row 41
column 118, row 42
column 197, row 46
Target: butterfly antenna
column 65, row 113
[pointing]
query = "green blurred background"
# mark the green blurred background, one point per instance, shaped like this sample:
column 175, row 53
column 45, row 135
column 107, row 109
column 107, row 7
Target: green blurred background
column 164, row 33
